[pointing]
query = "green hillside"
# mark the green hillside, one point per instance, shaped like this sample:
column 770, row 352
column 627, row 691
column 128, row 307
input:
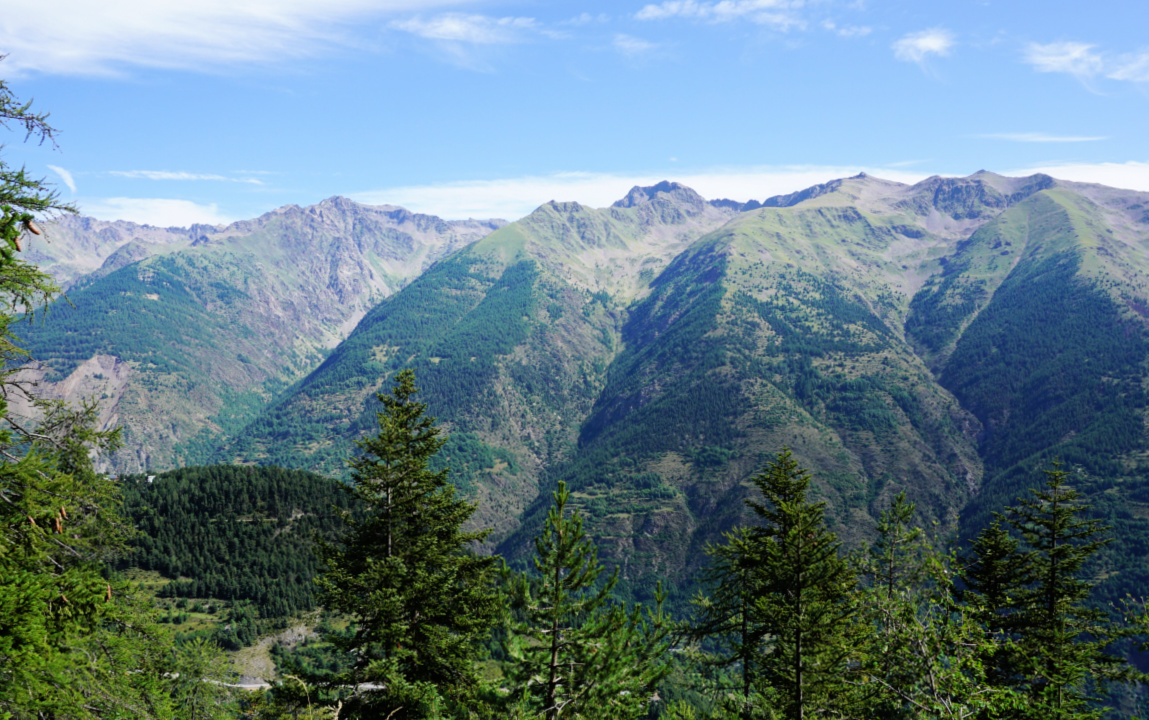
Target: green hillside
column 1050, row 361
column 510, row 340
column 184, row 343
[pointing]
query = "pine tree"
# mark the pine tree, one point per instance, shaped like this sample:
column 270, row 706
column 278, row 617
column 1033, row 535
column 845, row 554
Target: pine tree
column 926, row 654
column 575, row 654
column 995, row 577
column 808, row 599
column 420, row 597
column 726, row 617
column 1062, row 637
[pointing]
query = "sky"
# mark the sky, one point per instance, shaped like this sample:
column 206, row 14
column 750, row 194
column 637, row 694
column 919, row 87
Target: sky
column 174, row 112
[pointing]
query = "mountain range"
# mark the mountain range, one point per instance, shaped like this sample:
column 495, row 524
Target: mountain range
column 948, row 339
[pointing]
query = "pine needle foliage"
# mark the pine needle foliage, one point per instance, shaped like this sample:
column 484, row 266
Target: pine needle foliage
column 808, row 598
column 407, row 573
column 575, row 653
column 1063, row 636
column 76, row 641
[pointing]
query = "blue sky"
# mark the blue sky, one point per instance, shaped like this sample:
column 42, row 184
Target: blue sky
column 218, row 110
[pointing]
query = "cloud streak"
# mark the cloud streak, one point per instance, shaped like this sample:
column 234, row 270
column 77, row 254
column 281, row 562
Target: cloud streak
column 65, row 177
column 631, row 46
column 1073, row 58
column 1083, row 61
column 160, row 212
column 79, row 37
column 169, row 175
column 779, row 14
column 473, row 29
column 1128, row 175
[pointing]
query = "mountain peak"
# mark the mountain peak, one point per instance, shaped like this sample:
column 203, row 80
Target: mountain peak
column 676, row 192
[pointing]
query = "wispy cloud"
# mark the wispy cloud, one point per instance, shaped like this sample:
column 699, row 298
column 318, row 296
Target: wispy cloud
column 780, row 14
column 1073, row 58
column 1037, row 137
column 65, row 177
column 918, row 47
column 631, row 46
column 169, row 175
column 1129, row 175
column 160, row 212
column 80, row 37
column 586, row 19
column 474, row 29
column 512, row 198
column 847, row 30
column 1134, row 68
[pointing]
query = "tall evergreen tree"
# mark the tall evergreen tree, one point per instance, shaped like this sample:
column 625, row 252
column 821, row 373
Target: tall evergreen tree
column 925, row 656
column 995, row 576
column 726, row 618
column 576, row 654
column 1026, row 581
column 1062, row 636
column 807, row 600
column 420, row 597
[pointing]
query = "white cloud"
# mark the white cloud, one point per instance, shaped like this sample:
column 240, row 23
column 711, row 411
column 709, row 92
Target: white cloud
column 512, row 198
column 632, row 46
column 777, row 13
column 475, row 29
column 180, row 175
column 65, row 176
column 1074, row 58
column 1037, row 137
column 848, row 30
column 161, row 212
column 916, row 47
column 81, row 37
column 1134, row 68
column 1129, row 175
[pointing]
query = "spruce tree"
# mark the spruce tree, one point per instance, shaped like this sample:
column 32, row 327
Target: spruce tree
column 575, row 653
column 995, row 576
column 407, row 573
column 807, row 595
column 925, row 655
column 726, row 620
column 1063, row 637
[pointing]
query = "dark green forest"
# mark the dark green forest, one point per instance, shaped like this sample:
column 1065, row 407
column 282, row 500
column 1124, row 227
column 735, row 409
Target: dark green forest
column 235, row 532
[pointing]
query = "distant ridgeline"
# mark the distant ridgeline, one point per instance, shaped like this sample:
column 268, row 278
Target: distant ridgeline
column 948, row 339
column 235, row 532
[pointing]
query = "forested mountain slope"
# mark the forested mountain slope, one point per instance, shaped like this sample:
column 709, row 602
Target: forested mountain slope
column 510, row 340
column 1038, row 327
column 185, row 343
column 947, row 338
